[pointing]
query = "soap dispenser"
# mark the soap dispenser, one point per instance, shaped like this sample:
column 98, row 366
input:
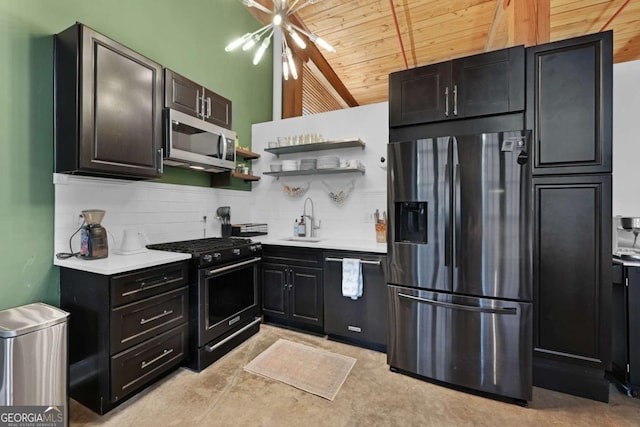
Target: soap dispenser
column 302, row 228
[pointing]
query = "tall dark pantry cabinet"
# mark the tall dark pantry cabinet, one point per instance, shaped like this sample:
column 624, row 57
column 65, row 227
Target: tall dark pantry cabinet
column 562, row 93
column 569, row 97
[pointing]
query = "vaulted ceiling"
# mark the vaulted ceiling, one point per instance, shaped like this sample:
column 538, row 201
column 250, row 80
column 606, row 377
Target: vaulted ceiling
column 369, row 46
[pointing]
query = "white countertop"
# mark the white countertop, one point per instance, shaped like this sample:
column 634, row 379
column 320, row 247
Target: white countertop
column 325, row 243
column 115, row 263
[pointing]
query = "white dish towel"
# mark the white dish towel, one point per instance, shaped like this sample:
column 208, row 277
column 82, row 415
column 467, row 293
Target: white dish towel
column 351, row 278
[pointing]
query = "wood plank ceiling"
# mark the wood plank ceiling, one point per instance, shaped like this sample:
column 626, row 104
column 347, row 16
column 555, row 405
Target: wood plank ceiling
column 368, row 49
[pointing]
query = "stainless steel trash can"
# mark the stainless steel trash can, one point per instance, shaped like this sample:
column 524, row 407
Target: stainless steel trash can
column 33, row 357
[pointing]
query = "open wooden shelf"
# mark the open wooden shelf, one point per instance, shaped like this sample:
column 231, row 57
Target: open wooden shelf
column 246, row 154
column 245, row 177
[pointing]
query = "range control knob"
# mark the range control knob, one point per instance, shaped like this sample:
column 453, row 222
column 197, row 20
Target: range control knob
column 207, row 258
column 236, row 251
column 217, row 256
column 254, row 248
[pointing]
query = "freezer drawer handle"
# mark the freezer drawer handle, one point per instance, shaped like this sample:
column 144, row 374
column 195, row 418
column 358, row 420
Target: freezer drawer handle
column 508, row 310
column 361, row 261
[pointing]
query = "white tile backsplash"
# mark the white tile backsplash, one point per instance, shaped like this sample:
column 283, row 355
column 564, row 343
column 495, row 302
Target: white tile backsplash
column 168, row 212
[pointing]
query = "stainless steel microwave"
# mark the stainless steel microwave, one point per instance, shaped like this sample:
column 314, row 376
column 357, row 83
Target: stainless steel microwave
column 193, row 143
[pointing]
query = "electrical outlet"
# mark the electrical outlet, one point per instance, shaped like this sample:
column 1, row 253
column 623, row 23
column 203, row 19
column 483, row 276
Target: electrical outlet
column 78, row 219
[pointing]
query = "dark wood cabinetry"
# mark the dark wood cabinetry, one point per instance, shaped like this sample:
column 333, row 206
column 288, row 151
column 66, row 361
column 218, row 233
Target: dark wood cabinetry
column 569, row 110
column 362, row 321
column 191, row 98
column 292, row 287
column 125, row 331
column 108, row 107
column 569, row 96
column 625, row 365
column 479, row 85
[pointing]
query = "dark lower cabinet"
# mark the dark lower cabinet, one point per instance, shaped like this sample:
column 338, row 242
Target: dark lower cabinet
column 292, row 287
column 125, row 331
column 362, row 321
column 569, row 104
column 108, row 107
column 625, row 367
column 572, row 284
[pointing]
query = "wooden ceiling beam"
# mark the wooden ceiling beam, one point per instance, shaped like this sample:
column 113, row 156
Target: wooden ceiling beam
column 517, row 22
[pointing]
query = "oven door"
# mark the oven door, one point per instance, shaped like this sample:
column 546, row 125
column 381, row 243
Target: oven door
column 227, row 298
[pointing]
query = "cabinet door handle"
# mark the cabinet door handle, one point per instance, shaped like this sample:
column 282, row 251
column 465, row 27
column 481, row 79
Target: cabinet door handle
column 165, row 353
column 455, row 100
column 160, row 167
column 208, row 113
column 446, row 101
column 198, row 102
column 156, row 317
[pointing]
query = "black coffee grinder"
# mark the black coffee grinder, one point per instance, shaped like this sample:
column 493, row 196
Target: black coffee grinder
column 93, row 236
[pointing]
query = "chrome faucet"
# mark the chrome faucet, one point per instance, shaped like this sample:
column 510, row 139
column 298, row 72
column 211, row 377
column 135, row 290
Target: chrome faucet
column 310, row 217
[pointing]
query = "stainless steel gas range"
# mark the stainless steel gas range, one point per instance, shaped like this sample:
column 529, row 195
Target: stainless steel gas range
column 223, row 296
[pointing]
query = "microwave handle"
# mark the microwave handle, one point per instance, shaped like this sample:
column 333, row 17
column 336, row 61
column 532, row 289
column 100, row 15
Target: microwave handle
column 222, row 141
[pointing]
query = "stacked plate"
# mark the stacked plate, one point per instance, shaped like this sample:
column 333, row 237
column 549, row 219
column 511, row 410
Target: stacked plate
column 307, row 164
column 328, row 162
column 289, row 165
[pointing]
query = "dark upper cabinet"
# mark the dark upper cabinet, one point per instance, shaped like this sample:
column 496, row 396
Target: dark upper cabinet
column 191, row 98
column 480, row 85
column 108, row 107
column 572, row 270
column 569, row 95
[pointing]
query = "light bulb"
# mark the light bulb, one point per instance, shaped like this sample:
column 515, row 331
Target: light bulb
column 292, row 65
column 322, row 43
column 263, row 47
column 277, row 19
column 285, row 69
column 296, row 38
column 251, row 42
column 237, row 42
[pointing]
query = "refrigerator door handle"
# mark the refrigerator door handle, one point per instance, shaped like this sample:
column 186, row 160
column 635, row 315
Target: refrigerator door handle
column 447, row 222
column 456, row 212
column 506, row 310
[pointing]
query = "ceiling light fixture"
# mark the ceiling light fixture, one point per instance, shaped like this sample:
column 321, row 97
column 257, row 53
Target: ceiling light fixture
column 282, row 10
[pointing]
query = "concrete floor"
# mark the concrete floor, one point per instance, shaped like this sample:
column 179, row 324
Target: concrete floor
column 225, row 395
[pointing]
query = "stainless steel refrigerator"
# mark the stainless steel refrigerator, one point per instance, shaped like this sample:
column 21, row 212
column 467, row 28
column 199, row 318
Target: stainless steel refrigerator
column 460, row 253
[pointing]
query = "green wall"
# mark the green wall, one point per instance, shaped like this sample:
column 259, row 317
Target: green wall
column 188, row 36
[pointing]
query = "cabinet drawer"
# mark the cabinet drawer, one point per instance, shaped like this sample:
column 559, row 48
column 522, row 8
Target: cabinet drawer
column 292, row 256
column 127, row 288
column 141, row 364
column 136, row 322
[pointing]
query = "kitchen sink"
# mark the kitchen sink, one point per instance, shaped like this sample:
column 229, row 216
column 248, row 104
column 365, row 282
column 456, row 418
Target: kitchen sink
column 302, row 239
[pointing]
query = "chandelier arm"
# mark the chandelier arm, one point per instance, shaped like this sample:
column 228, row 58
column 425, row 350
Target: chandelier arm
column 306, row 33
column 291, row 6
column 291, row 10
column 257, row 6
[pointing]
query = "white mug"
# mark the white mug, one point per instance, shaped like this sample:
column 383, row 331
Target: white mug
column 132, row 240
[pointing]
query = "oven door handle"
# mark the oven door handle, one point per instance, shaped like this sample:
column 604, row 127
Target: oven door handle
column 232, row 266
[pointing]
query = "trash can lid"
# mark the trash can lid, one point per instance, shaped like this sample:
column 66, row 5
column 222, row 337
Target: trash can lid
column 29, row 318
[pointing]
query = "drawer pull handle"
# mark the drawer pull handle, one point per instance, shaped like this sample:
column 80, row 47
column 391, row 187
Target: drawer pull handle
column 159, row 316
column 166, row 352
column 144, row 287
column 354, row 328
